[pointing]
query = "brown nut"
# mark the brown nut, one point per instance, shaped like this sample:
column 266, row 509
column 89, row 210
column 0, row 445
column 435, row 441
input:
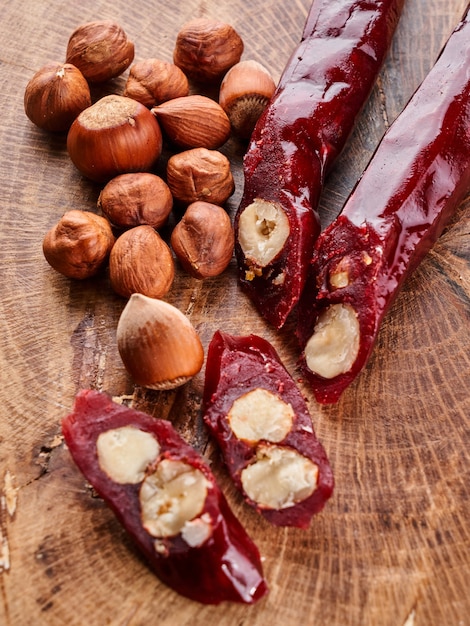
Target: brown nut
column 141, row 262
column 55, row 96
column 205, row 49
column 135, row 199
column 200, row 174
column 79, row 244
column 203, row 240
column 153, row 81
column 114, row 136
column 157, row 343
column 244, row 93
column 194, row 122
column 101, row 50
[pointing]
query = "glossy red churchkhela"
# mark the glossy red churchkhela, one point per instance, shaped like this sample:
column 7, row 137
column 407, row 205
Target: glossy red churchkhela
column 323, row 88
column 261, row 422
column 166, row 497
column 413, row 184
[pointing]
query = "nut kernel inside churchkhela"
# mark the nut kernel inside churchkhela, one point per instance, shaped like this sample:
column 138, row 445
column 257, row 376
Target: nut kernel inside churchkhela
column 171, row 498
column 334, row 345
column 279, row 478
column 260, row 414
column 124, row 453
column 263, row 230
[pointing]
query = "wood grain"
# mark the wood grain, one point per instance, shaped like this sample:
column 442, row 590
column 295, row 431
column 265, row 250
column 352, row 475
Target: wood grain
column 392, row 547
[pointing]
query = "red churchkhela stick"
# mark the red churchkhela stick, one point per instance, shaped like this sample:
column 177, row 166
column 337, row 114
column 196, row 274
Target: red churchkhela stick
column 414, row 182
column 212, row 559
column 261, row 422
column 297, row 139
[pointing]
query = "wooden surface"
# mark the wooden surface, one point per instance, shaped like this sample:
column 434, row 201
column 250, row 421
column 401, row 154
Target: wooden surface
column 392, row 546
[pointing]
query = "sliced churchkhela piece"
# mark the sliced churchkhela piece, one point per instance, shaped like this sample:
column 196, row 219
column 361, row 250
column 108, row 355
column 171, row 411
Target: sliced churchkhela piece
column 166, row 497
column 414, row 182
column 261, row 422
column 296, row 141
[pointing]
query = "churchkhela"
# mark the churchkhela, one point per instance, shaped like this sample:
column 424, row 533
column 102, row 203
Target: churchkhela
column 413, row 184
column 298, row 138
column 261, row 422
column 166, row 497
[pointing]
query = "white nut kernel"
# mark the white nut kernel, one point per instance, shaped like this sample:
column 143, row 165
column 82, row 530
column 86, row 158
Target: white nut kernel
column 263, row 229
column 334, row 345
column 124, row 453
column 339, row 280
column 197, row 531
column 260, row 414
column 171, row 496
column 279, row 478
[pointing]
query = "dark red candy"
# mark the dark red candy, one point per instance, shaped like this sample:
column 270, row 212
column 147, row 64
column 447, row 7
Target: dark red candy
column 413, row 184
column 239, row 368
column 221, row 564
column 300, row 134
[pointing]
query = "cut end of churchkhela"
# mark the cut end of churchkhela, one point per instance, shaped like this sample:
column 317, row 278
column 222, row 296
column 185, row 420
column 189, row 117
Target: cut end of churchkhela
column 263, row 229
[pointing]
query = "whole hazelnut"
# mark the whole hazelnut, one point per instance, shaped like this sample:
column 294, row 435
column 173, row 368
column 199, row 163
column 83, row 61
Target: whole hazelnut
column 141, row 262
column 153, row 81
column 55, row 96
column 206, row 48
column 101, row 50
column 114, row 136
column 79, row 244
column 244, row 93
column 203, row 240
column 158, row 345
column 134, row 199
column 193, row 122
column 200, row 174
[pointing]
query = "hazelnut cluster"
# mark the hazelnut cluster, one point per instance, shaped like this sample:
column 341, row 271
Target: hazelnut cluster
column 117, row 140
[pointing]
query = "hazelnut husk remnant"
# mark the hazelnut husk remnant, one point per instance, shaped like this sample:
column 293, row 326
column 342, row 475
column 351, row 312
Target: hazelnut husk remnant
column 244, row 93
column 153, row 81
column 200, row 174
column 206, row 48
column 55, row 96
column 79, row 244
column 158, row 345
column 135, row 199
column 101, row 50
column 194, row 122
column 203, row 240
column 114, row 136
column 141, row 262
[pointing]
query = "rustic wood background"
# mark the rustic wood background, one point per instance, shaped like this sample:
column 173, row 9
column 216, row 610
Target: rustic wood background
column 392, row 546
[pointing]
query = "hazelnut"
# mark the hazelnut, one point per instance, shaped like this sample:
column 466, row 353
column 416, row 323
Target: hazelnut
column 262, row 231
column 135, row 199
column 141, row 262
column 79, row 244
column 114, row 136
column 158, row 345
column 153, row 81
column 55, row 95
column 194, row 122
column 125, row 452
column 260, row 414
column 203, row 240
column 172, row 500
column 101, row 50
column 244, row 93
column 334, row 345
column 279, row 477
column 200, row 174
column 205, row 49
